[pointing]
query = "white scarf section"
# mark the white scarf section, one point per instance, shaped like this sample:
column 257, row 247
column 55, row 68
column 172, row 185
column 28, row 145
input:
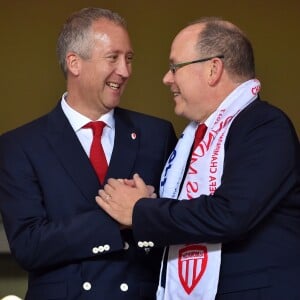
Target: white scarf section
column 193, row 270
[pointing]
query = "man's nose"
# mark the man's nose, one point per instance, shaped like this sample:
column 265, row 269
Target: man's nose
column 168, row 79
column 124, row 68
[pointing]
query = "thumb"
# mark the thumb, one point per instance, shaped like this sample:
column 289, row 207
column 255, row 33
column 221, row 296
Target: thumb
column 139, row 182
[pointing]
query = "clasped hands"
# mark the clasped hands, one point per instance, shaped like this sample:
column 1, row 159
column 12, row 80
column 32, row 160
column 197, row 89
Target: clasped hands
column 120, row 195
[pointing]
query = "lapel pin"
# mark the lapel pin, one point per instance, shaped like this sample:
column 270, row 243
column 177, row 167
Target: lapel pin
column 133, row 135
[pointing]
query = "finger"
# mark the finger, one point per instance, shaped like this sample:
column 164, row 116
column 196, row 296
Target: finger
column 100, row 191
column 108, row 189
column 104, row 195
column 150, row 189
column 154, row 195
column 139, row 182
column 105, row 205
column 129, row 182
column 114, row 182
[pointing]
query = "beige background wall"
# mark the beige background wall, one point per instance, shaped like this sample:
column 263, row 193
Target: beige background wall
column 31, row 82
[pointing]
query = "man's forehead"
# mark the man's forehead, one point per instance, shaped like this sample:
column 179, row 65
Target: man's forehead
column 186, row 40
column 190, row 32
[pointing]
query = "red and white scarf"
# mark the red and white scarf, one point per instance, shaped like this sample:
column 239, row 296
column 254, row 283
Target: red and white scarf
column 193, row 269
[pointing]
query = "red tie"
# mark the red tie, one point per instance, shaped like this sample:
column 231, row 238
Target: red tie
column 199, row 134
column 97, row 156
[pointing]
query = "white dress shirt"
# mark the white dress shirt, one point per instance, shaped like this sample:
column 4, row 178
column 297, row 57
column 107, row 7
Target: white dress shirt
column 85, row 135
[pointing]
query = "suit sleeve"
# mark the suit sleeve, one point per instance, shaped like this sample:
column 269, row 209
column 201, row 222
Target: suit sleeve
column 261, row 168
column 37, row 240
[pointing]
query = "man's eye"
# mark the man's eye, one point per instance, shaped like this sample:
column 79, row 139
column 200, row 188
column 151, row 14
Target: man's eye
column 129, row 59
column 113, row 58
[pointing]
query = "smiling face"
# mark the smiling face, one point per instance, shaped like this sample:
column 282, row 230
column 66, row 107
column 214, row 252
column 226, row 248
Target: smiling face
column 95, row 85
column 190, row 84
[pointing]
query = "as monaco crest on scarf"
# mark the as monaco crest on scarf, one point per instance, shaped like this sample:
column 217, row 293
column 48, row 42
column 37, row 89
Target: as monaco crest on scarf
column 192, row 264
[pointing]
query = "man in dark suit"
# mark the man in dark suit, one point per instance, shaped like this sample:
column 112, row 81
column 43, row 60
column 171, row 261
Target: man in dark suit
column 236, row 233
column 70, row 247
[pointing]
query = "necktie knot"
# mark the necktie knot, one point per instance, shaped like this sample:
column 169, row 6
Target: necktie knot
column 199, row 134
column 96, row 126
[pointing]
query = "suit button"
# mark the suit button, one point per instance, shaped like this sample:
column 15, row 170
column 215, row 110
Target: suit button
column 146, row 244
column 95, row 250
column 151, row 244
column 124, row 287
column 140, row 244
column 11, row 297
column 100, row 248
column 87, row 286
column 106, row 247
column 126, row 246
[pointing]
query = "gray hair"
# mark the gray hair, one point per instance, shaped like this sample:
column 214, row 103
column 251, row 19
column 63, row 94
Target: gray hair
column 76, row 35
column 220, row 37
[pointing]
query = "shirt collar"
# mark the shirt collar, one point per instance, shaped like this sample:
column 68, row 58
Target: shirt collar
column 77, row 120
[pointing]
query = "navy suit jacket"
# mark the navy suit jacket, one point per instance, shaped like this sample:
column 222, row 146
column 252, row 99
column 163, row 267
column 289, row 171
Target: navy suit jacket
column 56, row 231
column 255, row 212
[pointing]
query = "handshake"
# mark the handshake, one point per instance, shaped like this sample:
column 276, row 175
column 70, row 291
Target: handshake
column 119, row 197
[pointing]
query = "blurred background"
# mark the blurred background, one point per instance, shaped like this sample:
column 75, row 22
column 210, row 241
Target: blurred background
column 31, row 82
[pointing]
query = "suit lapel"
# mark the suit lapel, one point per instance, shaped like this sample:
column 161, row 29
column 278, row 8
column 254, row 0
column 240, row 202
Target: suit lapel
column 70, row 153
column 126, row 145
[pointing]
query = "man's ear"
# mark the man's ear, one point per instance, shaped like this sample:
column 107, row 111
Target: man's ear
column 216, row 70
column 73, row 62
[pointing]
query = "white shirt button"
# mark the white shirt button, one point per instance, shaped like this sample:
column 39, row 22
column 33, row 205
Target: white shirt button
column 106, row 247
column 140, row 244
column 95, row 250
column 87, row 286
column 100, row 248
column 126, row 246
column 124, row 287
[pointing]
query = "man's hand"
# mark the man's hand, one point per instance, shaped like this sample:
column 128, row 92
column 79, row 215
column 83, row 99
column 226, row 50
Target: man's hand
column 119, row 197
